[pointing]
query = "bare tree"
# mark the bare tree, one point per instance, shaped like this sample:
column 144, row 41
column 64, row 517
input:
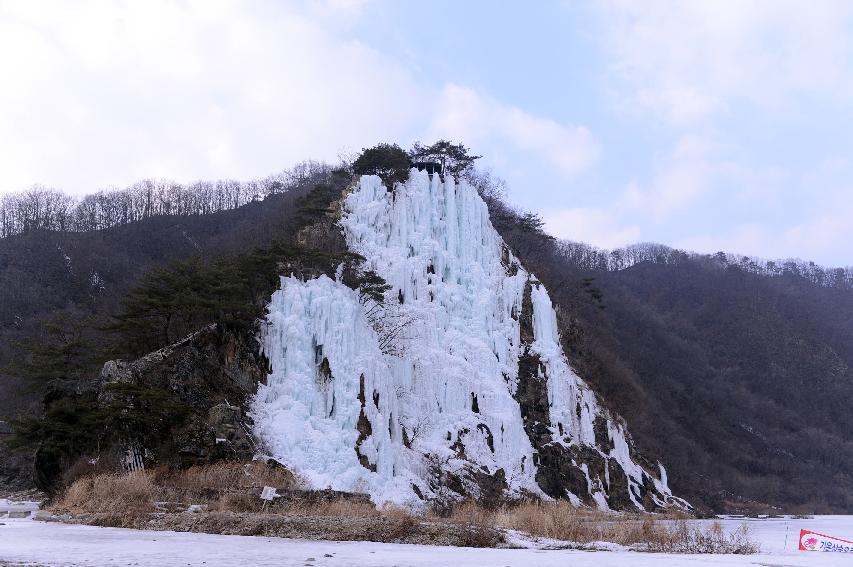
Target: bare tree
column 41, row 208
column 390, row 324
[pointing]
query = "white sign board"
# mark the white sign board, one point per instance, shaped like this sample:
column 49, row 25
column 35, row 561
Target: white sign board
column 268, row 493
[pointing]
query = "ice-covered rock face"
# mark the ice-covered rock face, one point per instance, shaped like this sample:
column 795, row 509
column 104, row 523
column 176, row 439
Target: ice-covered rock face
column 456, row 385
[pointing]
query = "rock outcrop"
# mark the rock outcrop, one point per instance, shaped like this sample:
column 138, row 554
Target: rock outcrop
column 213, row 373
column 455, row 385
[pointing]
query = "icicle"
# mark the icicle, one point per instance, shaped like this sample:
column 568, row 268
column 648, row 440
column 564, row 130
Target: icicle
column 451, row 367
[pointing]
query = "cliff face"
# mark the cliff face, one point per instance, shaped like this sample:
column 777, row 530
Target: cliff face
column 455, row 384
column 212, row 374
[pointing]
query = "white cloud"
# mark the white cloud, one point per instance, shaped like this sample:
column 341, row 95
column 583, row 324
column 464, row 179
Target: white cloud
column 689, row 60
column 100, row 93
column 600, row 227
column 700, row 177
column 679, row 180
column 823, row 239
column 462, row 113
column 822, row 229
column 339, row 12
column 105, row 93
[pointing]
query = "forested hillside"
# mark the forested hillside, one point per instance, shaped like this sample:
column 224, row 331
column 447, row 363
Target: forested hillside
column 736, row 374
column 56, row 284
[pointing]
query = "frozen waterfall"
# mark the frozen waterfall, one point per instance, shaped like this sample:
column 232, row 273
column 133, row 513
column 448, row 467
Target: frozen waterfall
column 347, row 412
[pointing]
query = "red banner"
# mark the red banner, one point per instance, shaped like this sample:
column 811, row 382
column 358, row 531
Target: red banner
column 813, row 541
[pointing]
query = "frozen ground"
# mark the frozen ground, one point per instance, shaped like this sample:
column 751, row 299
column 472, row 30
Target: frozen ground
column 27, row 541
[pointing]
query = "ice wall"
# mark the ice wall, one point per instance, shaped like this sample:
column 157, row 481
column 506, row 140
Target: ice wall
column 434, row 409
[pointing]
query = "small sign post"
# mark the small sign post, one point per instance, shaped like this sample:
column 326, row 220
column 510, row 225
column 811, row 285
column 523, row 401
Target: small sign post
column 267, row 495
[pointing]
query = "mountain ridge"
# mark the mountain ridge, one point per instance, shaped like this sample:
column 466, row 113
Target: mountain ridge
column 606, row 345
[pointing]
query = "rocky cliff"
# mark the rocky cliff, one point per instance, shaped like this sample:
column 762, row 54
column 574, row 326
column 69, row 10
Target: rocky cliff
column 212, row 373
column 453, row 385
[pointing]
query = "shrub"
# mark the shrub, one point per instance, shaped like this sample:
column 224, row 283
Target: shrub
column 683, row 537
column 388, row 161
column 75, row 427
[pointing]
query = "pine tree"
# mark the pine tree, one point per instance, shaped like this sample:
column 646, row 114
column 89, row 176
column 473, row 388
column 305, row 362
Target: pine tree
column 62, row 349
column 454, row 158
column 388, row 161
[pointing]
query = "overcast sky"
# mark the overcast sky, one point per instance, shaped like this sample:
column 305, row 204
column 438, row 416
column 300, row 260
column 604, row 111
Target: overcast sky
column 718, row 125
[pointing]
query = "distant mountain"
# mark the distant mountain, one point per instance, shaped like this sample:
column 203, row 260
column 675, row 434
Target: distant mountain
column 68, row 275
column 45, row 271
column 738, row 376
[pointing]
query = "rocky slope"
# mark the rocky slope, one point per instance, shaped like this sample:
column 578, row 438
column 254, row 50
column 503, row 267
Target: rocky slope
column 183, row 405
column 456, row 384
column 212, row 373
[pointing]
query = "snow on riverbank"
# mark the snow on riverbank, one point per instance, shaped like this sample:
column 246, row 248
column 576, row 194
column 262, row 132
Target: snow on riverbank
column 16, row 506
column 29, row 541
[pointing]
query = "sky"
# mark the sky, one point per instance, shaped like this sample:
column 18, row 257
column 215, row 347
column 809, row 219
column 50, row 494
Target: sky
column 718, row 125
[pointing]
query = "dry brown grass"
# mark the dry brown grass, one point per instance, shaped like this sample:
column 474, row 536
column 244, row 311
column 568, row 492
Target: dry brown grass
column 402, row 521
column 221, row 487
column 684, row 537
column 330, row 509
column 234, row 488
column 562, row 521
column 227, row 476
column 87, row 466
column 237, row 502
column 123, row 497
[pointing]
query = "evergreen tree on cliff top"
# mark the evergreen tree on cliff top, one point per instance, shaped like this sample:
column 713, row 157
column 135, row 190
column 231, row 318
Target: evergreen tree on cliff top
column 454, row 158
column 388, row 161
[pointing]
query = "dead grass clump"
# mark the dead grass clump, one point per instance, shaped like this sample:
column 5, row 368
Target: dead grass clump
column 559, row 520
column 238, row 502
column 473, row 535
column 475, row 525
column 396, row 513
column 339, row 508
column 683, row 537
column 403, row 522
column 88, row 466
column 228, row 476
column 221, row 486
column 109, row 493
column 562, row 521
column 467, row 512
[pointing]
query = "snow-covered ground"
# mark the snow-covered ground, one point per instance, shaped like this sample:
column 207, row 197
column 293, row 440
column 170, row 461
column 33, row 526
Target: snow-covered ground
column 7, row 506
column 27, row 541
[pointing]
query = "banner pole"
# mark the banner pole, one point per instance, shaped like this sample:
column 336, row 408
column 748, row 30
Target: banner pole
column 786, row 535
